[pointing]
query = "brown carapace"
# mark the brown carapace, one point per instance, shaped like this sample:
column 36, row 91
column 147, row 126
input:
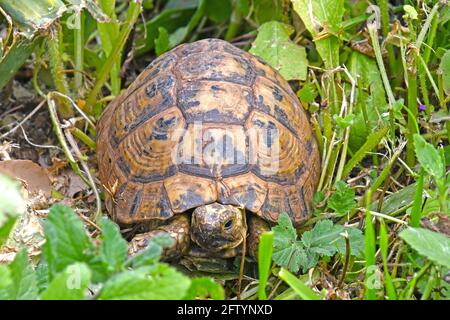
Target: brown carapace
column 205, row 134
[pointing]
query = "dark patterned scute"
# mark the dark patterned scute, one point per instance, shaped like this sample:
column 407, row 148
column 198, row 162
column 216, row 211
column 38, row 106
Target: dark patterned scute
column 231, row 93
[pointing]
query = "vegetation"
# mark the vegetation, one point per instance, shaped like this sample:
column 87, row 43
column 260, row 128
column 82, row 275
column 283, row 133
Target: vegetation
column 375, row 80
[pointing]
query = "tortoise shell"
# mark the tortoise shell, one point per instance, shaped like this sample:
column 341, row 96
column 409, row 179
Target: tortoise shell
column 183, row 135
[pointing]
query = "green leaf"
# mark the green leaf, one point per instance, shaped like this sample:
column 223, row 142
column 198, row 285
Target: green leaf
column 428, row 157
column 113, row 248
column 12, row 206
column 410, row 12
column 66, row 239
column 321, row 239
column 305, row 292
column 5, row 277
column 322, row 16
column 218, row 11
column 265, row 251
column 274, row 46
column 307, row 93
column 266, row 10
column 371, row 98
column 22, row 280
column 70, row 284
column 42, row 275
column 287, row 251
column 152, row 253
column 343, row 199
column 161, row 282
column 433, row 245
column 444, row 70
column 180, row 34
column 162, row 42
column 204, row 288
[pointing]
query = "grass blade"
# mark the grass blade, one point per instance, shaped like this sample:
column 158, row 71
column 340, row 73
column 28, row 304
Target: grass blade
column 384, row 245
column 305, row 292
column 370, row 251
column 265, row 251
column 372, row 141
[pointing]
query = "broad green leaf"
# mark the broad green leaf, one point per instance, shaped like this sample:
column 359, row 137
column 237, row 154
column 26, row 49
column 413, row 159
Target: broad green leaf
column 274, row 46
column 218, row 11
column 152, row 253
column 433, row 245
column 267, row 10
column 396, row 200
column 181, row 4
column 33, row 16
column 322, row 16
column 343, row 199
column 288, row 252
column 372, row 99
column 161, row 282
column 326, row 239
column 12, row 206
column 5, row 277
column 204, row 288
column 305, row 292
column 162, row 42
column 444, row 70
column 42, row 275
column 66, row 239
column 113, row 248
column 410, row 12
column 265, row 251
column 23, row 280
column 70, row 284
column 307, row 93
column 428, row 157
column 321, row 239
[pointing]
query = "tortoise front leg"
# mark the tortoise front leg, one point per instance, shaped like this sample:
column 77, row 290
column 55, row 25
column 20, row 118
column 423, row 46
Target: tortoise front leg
column 256, row 226
column 177, row 228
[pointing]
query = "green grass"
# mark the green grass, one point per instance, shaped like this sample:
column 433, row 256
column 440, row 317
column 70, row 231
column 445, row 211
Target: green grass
column 380, row 117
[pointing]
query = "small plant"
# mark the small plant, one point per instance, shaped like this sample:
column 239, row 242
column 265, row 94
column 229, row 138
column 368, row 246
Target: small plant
column 73, row 266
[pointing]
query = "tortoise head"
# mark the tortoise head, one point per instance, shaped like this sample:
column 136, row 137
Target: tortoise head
column 215, row 227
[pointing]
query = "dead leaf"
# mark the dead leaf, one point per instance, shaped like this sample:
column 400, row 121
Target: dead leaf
column 34, row 177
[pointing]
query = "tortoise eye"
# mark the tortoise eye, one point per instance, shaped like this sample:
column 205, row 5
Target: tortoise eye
column 228, row 225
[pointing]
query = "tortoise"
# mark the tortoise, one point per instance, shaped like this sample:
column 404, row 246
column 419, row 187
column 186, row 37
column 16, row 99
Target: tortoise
column 209, row 144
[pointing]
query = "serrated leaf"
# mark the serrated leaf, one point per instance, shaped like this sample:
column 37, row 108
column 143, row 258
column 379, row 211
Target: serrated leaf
column 428, row 157
column 343, row 199
column 204, row 288
column 152, row 253
column 287, row 251
column 23, row 280
column 70, row 284
column 356, row 238
column 274, row 46
column 42, row 276
column 161, row 282
column 266, row 10
column 66, row 239
column 433, row 245
column 113, row 248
